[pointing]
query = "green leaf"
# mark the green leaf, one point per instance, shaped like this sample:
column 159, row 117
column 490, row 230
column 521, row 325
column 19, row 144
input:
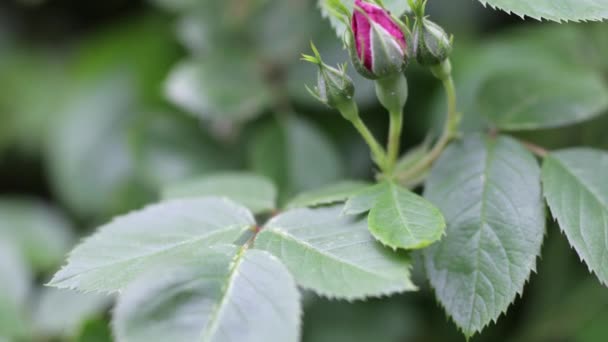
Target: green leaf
column 14, row 291
column 62, row 312
column 330, row 10
column 42, row 234
column 564, row 10
column 522, row 99
column 364, row 200
column 535, row 47
column 224, row 86
column 489, row 191
column 577, row 193
column 88, row 136
column 335, row 255
column 144, row 240
column 296, row 155
column 247, row 297
column 402, row 219
column 330, row 194
column 253, row 191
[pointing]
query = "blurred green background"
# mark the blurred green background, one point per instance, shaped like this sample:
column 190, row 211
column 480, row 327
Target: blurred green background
column 102, row 103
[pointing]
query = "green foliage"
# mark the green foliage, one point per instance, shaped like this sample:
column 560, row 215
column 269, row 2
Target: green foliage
column 255, row 192
column 523, row 99
column 295, row 155
column 239, row 96
column 565, row 10
column 489, row 191
column 403, row 219
column 142, row 241
column 41, row 234
column 330, row 194
column 372, row 320
column 62, row 312
column 365, row 199
column 335, row 256
column 262, row 189
column 213, row 300
column 577, row 194
column 14, row 290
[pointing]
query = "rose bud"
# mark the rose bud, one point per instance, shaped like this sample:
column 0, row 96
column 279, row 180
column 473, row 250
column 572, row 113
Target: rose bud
column 432, row 46
column 334, row 87
column 378, row 45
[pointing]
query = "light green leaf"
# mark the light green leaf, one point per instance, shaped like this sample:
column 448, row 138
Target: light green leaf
column 89, row 136
column 62, row 312
column 253, row 191
column 364, row 200
column 402, row 219
column 522, row 99
column 489, row 191
column 396, row 7
column 562, row 10
column 40, row 233
column 334, row 255
column 330, row 194
column 14, row 290
column 144, row 240
column 248, row 297
column 576, row 190
column 296, row 155
column 223, row 87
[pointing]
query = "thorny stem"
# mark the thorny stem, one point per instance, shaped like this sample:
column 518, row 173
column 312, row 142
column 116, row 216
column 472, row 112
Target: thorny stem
column 450, row 129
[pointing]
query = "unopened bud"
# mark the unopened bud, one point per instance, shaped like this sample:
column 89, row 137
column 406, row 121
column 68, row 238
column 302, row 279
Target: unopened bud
column 432, row 46
column 334, row 87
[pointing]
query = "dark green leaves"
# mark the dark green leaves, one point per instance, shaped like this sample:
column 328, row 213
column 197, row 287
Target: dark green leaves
column 542, row 98
column 576, row 190
column 334, row 255
column 231, row 296
column 136, row 243
column 402, row 219
column 489, row 191
column 296, row 155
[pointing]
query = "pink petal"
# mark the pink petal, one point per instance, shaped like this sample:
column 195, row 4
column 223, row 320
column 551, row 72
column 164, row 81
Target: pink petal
column 362, row 29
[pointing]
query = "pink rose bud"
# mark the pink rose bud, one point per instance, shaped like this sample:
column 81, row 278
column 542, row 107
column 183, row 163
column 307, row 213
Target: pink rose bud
column 378, row 46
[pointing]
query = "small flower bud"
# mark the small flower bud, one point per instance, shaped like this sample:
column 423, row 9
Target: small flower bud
column 378, row 46
column 334, row 87
column 432, row 46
